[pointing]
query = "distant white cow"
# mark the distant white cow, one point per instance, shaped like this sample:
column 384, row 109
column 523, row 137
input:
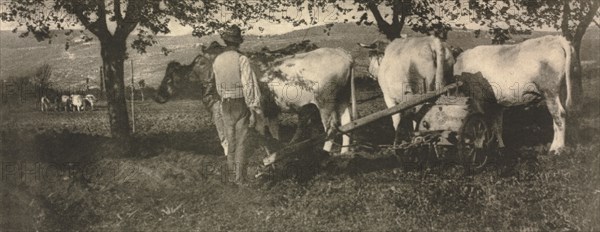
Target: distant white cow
column 89, row 101
column 77, row 102
column 523, row 72
column 65, row 103
column 45, row 103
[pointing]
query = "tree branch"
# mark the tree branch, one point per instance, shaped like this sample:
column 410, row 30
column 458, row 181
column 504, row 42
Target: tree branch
column 97, row 27
column 564, row 26
column 381, row 23
column 585, row 22
column 131, row 20
column 396, row 12
column 117, row 11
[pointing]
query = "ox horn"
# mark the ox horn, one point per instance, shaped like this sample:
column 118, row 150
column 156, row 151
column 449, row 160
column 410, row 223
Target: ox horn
column 369, row 46
column 197, row 58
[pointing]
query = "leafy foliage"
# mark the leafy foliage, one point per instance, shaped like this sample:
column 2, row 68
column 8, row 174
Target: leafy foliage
column 505, row 17
column 429, row 17
column 150, row 18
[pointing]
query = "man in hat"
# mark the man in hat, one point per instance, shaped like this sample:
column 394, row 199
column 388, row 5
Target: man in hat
column 237, row 86
column 210, row 98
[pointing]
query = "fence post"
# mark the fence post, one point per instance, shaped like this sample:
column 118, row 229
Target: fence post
column 132, row 104
column 102, row 80
column 3, row 91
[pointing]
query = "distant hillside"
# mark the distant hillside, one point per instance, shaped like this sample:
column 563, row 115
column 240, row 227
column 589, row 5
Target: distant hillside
column 20, row 56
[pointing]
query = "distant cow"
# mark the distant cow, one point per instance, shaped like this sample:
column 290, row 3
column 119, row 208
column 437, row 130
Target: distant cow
column 45, row 104
column 77, row 102
column 65, row 103
column 89, row 101
column 320, row 77
column 410, row 66
column 523, row 72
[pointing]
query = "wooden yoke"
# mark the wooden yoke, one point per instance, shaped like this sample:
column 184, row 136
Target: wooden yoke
column 417, row 100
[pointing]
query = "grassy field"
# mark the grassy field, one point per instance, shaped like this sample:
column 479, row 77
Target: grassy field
column 60, row 171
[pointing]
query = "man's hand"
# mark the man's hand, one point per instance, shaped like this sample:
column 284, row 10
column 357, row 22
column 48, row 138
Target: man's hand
column 253, row 113
column 252, row 121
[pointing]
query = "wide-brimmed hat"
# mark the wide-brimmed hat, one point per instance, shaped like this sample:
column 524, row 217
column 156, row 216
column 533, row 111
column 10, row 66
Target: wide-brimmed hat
column 232, row 34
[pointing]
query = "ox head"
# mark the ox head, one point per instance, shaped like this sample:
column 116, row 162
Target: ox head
column 177, row 76
column 456, row 51
column 376, row 52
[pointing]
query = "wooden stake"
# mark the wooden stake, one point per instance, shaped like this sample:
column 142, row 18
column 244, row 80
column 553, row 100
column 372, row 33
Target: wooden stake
column 353, row 95
column 132, row 104
column 102, row 80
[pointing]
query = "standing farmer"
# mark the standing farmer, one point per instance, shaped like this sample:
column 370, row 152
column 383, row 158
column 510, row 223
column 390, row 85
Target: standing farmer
column 240, row 96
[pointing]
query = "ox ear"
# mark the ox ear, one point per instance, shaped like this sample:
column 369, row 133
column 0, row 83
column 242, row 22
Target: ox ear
column 369, row 46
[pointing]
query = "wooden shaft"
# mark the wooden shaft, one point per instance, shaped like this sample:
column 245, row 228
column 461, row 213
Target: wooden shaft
column 396, row 109
column 353, row 95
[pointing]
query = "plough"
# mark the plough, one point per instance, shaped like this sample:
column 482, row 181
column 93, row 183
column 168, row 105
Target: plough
column 449, row 123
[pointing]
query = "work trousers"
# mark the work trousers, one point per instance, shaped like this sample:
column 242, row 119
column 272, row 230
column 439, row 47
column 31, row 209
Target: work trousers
column 236, row 119
column 217, row 117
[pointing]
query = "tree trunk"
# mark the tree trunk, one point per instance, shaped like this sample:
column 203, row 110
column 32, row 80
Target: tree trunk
column 113, row 57
column 391, row 32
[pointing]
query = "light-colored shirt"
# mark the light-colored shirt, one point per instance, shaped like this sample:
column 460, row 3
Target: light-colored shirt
column 234, row 78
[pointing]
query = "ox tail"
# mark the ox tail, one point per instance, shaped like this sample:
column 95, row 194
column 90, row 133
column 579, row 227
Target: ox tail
column 440, row 54
column 569, row 51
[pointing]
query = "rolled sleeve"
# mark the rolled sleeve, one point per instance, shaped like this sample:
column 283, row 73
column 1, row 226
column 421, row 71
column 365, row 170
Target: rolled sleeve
column 250, row 84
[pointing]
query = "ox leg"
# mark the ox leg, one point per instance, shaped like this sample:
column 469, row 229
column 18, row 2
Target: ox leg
column 497, row 127
column 405, row 128
column 395, row 117
column 329, row 120
column 345, row 119
column 304, row 115
column 558, row 116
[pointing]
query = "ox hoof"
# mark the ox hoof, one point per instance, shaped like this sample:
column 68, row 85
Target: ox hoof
column 557, row 151
column 328, row 146
column 270, row 159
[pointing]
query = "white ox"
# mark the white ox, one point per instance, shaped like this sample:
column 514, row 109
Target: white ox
column 65, row 102
column 536, row 67
column 44, row 103
column 320, row 77
column 410, row 66
column 77, row 102
column 90, row 99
